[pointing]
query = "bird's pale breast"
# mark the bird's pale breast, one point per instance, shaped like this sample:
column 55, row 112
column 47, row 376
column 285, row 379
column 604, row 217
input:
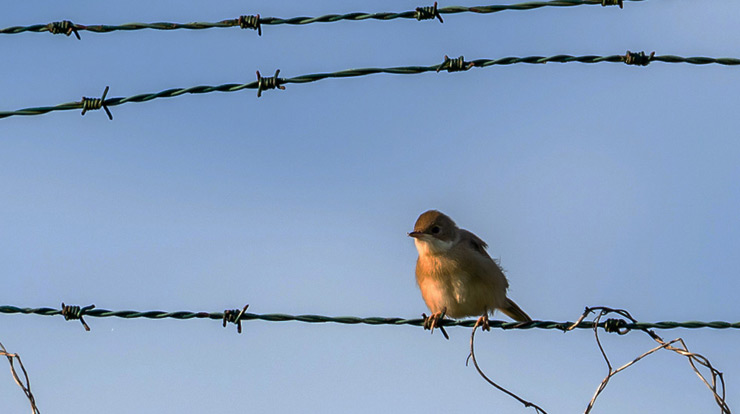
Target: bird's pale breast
column 444, row 284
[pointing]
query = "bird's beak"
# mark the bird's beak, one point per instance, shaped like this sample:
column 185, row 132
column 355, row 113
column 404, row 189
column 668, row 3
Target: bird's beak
column 416, row 234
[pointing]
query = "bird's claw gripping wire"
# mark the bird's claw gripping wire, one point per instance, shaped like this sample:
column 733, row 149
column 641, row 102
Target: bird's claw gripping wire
column 435, row 321
column 483, row 322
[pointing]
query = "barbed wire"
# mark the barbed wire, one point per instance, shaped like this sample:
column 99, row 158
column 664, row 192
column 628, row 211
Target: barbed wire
column 255, row 22
column 76, row 312
column 621, row 326
column 451, row 65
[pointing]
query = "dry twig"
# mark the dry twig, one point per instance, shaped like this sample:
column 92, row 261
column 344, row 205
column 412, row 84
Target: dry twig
column 27, row 387
column 617, row 326
column 500, row 388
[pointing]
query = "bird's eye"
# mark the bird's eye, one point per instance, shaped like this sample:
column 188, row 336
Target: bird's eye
column 435, row 229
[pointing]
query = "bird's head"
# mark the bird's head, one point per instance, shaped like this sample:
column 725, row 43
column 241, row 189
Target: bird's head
column 434, row 233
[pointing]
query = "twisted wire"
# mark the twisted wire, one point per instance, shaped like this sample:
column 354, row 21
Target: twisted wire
column 302, row 20
column 354, row 320
column 350, row 73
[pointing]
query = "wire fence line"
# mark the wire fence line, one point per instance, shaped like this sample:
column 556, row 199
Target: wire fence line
column 71, row 312
column 450, row 65
column 66, row 27
column 623, row 324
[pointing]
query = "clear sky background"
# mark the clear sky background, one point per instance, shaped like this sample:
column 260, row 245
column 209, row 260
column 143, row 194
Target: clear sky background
column 600, row 184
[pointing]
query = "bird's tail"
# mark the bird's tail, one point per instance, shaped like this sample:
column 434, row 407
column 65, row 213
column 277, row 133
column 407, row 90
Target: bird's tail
column 513, row 311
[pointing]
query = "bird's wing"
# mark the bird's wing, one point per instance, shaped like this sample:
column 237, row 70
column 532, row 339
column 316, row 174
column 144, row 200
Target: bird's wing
column 479, row 261
column 474, row 241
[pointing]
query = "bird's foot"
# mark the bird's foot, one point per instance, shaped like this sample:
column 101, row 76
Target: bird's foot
column 432, row 321
column 483, row 323
column 435, row 321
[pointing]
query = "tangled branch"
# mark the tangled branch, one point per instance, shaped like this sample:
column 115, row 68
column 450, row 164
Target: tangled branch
column 717, row 386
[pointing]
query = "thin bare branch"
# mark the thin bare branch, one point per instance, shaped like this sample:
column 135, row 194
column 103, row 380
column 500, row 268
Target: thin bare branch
column 500, row 388
column 27, row 387
column 617, row 326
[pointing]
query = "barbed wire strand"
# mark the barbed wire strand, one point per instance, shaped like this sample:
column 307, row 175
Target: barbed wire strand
column 451, row 65
column 25, row 387
column 526, row 403
column 353, row 320
column 255, row 22
column 621, row 327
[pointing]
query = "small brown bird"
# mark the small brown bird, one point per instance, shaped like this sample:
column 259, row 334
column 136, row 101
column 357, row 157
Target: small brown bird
column 456, row 276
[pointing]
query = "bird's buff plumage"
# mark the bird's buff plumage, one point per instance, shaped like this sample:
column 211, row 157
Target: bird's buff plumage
column 456, row 275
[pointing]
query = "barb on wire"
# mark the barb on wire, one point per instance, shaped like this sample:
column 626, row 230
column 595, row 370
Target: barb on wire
column 92, row 104
column 526, row 403
column 455, row 65
column 25, row 387
column 271, row 82
column 619, row 3
column 64, row 27
column 638, row 59
column 621, row 327
column 349, row 73
column 61, row 27
column 74, row 312
column 250, row 22
column 235, row 316
column 428, row 13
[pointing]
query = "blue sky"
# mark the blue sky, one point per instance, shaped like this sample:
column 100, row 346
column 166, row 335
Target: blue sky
column 599, row 184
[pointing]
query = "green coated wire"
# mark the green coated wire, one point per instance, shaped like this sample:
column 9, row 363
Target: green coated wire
column 69, row 27
column 352, row 320
column 400, row 70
